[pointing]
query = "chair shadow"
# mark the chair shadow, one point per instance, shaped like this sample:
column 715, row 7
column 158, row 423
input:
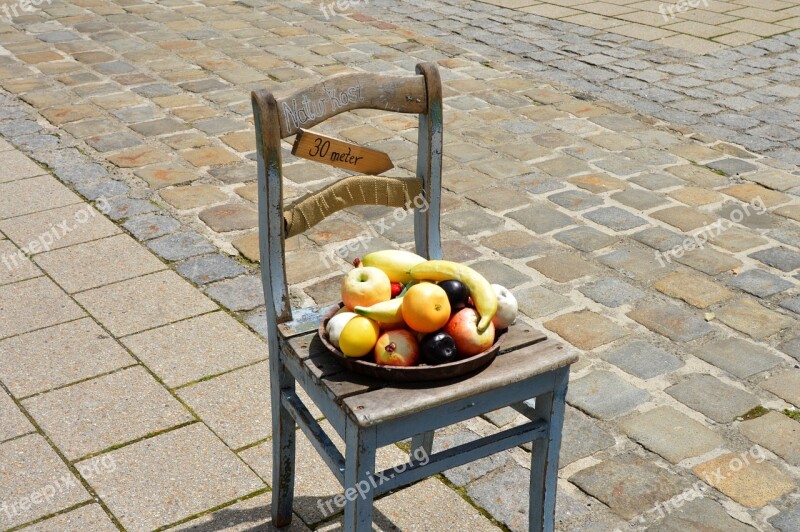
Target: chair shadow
column 259, row 519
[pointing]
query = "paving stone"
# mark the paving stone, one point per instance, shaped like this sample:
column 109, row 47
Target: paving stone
column 710, row 396
column 732, row 166
column 736, row 240
column 615, row 218
column 699, row 514
column 699, row 175
column 738, row 357
column 697, row 290
column 28, row 465
column 504, row 496
column 585, row 238
column 179, row 246
column 695, row 196
column 98, row 263
column 788, row 520
column 538, row 301
column 240, row 293
column 16, row 266
column 604, row 395
column 251, row 514
column 597, row 183
column 709, row 261
column 757, row 196
column 181, row 465
column 151, row 226
column 137, row 157
column 500, row 273
column 781, row 258
column 791, row 347
column 540, row 219
column 35, row 362
column 760, row 283
column 777, row 432
column 642, row 359
column 562, row 267
column 611, row 292
column 210, row 268
column 210, row 156
column 165, row 175
column 145, row 302
column 17, row 166
column 673, row 435
column 230, row 217
column 563, row 166
column 514, row 244
column 628, row 484
column 785, row 385
column 758, row 220
column 775, row 179
column 471, row 220
column 171, row 351
column 31, row 195
column 638, row 199
column 94, row 415
column 684, row 218
column 751, row 318
column 670, row 321
column 635, row 263
column 232, row 404
column 752, row 484
column 113, row 141
column 582, row 437
column 575, row 200
column 14, row 421
column 89, row 517
column 655, row 181
column 193, row 196
column 34, row 304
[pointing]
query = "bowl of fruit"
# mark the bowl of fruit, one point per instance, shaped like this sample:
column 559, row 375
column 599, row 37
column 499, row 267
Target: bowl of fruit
column 404, row 318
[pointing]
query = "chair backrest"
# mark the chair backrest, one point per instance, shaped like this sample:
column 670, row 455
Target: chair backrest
column 277, row 118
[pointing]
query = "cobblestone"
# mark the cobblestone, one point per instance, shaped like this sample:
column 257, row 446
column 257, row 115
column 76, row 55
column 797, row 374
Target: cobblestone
column 673, row 435
column 604, row 395
column 642, row 359
column 719, row 401
column 179, row 246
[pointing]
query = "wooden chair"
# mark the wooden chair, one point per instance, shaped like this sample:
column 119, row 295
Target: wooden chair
column 368, row 414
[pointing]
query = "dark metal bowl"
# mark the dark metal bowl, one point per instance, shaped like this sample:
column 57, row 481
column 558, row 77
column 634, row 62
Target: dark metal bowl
column 423, row 372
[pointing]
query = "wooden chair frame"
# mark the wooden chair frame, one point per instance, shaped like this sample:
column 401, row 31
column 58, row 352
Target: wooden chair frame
column 365, row 420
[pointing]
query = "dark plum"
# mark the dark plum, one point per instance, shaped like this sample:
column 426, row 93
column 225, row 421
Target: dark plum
column 438, row 348
column 457, row 293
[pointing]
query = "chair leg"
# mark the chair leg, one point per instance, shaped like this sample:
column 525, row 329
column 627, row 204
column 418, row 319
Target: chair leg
column 544, row 456
column 421, row 443
column 358, row 481
column 283, row 452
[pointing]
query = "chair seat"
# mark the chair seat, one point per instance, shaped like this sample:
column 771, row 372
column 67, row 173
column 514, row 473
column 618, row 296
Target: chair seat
column 525, row 354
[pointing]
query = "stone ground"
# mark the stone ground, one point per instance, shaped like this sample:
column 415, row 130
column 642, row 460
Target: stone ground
column 582, row 169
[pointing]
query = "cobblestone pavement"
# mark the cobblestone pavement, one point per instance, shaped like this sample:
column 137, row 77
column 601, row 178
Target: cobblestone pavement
column 695, row 25
column 746, row 94
column 603, row 221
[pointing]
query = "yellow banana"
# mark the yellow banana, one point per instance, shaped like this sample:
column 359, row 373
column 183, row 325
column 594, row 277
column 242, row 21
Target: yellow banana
column 385, row 312
column 482, row 293
column 394, row 262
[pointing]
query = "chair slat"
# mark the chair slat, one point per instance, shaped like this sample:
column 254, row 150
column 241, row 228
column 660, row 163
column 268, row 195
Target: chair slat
column 391, row 402
column 317, row 103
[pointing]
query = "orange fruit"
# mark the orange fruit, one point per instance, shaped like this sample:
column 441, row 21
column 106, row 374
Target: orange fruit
column 426, row 307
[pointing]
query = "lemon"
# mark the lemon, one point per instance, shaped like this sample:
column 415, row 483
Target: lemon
column 359, row 336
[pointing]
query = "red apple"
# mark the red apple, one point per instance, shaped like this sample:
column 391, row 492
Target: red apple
column 463, row 327
column 363, row 287
column 397, row 348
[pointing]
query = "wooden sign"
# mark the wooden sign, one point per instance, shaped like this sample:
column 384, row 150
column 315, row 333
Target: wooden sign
column 341, row 154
